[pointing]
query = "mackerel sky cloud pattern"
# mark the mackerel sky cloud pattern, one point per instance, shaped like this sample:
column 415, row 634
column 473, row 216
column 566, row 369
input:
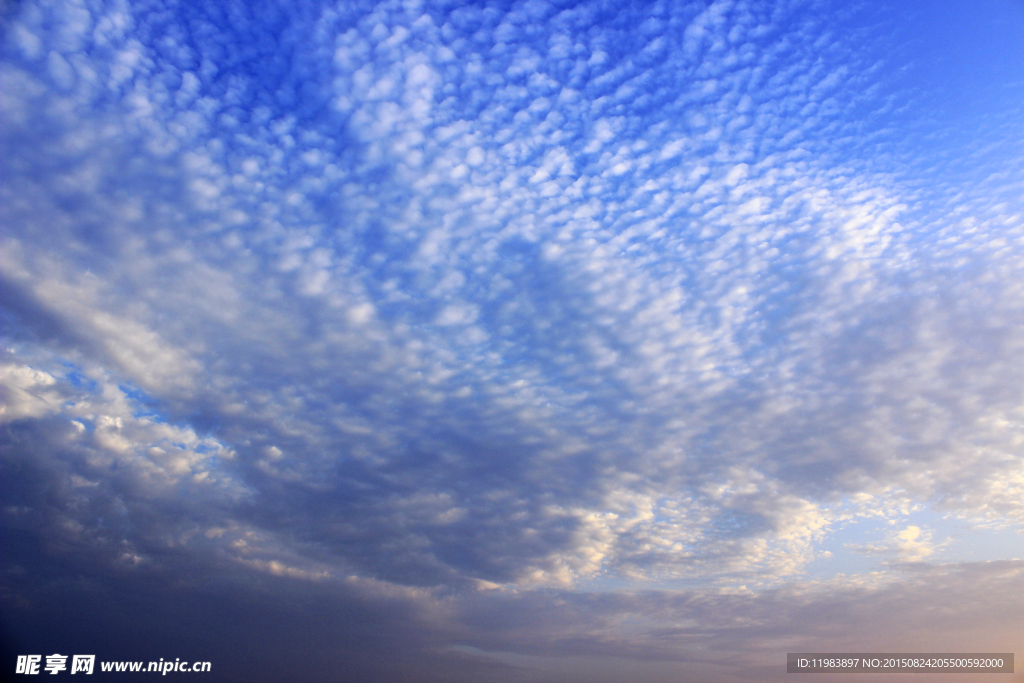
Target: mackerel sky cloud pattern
column 516, row 340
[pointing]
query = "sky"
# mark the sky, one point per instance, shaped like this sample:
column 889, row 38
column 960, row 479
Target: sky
column 431, row 341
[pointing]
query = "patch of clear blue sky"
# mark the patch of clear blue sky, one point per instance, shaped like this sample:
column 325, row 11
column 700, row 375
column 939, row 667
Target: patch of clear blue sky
column 867, row 544
column 971, row 54
column 74, row 375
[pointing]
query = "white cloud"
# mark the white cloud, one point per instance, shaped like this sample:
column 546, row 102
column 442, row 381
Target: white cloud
column 478, row 299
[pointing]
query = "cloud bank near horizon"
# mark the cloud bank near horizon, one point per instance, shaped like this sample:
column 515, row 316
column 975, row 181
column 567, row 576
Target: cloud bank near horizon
column 454, row 309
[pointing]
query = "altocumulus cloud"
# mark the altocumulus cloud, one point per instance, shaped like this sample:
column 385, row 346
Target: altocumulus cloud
column 525, row 341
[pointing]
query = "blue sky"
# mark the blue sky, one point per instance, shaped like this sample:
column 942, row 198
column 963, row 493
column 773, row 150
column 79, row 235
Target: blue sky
column 511, row 341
